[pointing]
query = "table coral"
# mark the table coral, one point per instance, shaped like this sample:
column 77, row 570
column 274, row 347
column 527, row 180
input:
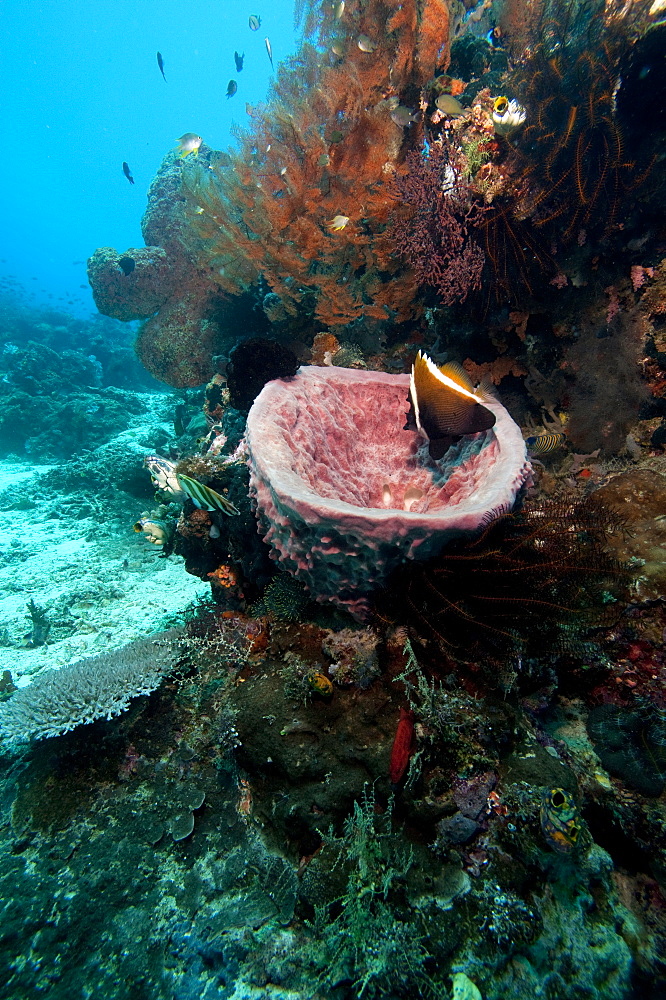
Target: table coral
column 335, row 478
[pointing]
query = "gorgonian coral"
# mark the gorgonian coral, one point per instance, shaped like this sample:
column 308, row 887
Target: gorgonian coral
column 324, row 148
column 436, row 238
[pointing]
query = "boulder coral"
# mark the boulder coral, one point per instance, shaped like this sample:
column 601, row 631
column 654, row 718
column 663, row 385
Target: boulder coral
column 344, row 494
column 164, row 284
column 130, row 285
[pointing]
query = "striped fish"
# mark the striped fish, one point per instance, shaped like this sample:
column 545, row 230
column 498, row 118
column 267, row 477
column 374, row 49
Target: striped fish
column 204, row 497
column 542, row 444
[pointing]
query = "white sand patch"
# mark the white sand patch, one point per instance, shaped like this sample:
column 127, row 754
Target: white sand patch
column 103, row 585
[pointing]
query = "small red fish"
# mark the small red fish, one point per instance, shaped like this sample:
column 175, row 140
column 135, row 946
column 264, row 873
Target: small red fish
column 402, row 746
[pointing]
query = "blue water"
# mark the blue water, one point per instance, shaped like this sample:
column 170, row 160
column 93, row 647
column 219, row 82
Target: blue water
column 82, row 93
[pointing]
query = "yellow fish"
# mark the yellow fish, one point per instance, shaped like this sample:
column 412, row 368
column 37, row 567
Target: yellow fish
column 338, row 223
column 320, row 684
column 449, row 105
column 542, row 444
column 444, row 405
column 189, row 142
column 366, row 44
column 560, row 822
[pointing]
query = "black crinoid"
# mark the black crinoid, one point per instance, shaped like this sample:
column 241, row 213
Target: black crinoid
column 631, row 744
column 533, row 583
column 575, row 155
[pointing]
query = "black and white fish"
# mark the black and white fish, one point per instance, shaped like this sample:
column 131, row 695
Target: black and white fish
column 444, row 405
column 204, row 497
column 163, row 474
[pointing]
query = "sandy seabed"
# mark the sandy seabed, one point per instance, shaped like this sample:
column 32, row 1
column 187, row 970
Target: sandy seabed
column 100, row 585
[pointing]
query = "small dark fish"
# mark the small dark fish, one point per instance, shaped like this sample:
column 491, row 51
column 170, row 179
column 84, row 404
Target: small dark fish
column 444, row 406
column 542, row 444
column 179, row 420
column 160, row 63
column 128, row 172
column 232, row 87
column 269, row 49
column 254, row 21
column 239, row 61
column 403, row 116
column 126, row 265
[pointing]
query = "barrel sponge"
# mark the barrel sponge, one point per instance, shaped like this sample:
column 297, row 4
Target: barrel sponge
column 344, row 495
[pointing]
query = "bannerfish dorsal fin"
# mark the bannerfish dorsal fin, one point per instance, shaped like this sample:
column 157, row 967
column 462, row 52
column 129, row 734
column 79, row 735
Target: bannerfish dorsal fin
column 486, row 390
column 455, row 371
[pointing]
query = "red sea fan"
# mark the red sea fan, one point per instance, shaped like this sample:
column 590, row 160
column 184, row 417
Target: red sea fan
column 436, row 238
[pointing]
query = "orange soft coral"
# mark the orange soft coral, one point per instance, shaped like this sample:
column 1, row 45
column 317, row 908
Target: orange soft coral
column 325, row 145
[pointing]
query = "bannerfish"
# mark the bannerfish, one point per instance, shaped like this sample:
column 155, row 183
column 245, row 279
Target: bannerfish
column 160, row 63
column 560, row 822
column 204, row 497
column 543, row 444
column 239, row 61
column 189, row 142
column 269, row 49
column 254, row 21
column 128, row 172
column 163, row 474
column 444, row 406
column 232, row 87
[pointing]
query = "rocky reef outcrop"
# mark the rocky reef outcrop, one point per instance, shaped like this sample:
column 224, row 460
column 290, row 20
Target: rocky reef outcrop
column 163, row 283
